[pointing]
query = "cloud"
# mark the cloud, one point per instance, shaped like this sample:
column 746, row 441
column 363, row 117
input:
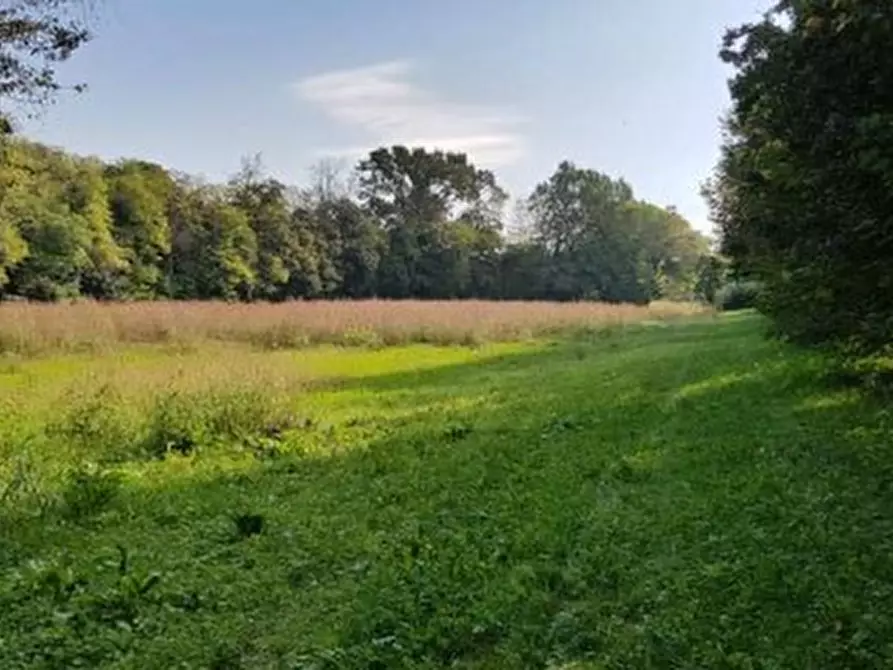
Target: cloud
column 383, row 102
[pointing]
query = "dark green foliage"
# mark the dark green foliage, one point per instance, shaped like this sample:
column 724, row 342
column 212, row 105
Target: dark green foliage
column 227, row 656
column 86, row 619
column 247, row 525
column 353, row 245
column 140, row 195
column 803, row 193
column 89, row 492
column 710, row 277
column 599, row 243
column 458, row 432
column 440, row 216
column 739, row 295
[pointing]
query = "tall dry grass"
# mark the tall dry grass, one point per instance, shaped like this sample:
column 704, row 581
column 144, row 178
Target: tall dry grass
column 30, row 328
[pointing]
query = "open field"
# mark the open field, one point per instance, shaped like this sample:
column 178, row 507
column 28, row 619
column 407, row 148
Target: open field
column 35, row 328
column 678, row 494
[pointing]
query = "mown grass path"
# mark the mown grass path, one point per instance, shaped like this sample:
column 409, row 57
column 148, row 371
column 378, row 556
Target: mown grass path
column 676, row 496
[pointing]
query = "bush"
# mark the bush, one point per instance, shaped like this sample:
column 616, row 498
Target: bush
column 178, row 423
column 186, row 422
column 89, row 491
column 738, row 295
column 96, row 423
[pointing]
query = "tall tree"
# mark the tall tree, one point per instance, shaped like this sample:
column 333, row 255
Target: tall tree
column 669, row 250
column 601, row 243
column 13, row 247
column 803, row 195
column 35, row 35
column 710, row 278
column 353, row 244
column 57, row 206
column 264, row 202
column 579, row 219
column 214, row 249
column 415, row 194
column 88, row 198
column 140, row 195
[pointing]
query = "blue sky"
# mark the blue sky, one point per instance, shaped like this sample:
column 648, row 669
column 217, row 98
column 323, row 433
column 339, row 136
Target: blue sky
column 632, row 88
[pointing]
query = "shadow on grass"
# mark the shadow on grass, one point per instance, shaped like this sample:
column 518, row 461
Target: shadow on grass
column 640, row 342
column 671, row 497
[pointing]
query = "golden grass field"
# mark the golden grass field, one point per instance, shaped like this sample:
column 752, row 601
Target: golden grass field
column 32, row 329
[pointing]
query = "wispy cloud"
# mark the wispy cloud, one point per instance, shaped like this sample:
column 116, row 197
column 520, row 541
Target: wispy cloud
column 382, row 101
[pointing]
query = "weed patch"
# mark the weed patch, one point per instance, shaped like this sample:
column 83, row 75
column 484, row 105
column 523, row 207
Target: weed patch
column 88, row 492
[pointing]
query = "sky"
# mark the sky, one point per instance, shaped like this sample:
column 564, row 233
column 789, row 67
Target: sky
column 631, row 88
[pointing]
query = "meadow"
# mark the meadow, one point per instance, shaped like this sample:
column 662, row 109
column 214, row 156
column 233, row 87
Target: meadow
column 466, row 485
column 33, row 328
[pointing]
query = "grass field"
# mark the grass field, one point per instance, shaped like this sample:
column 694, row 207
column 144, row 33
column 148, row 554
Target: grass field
column 682, row 494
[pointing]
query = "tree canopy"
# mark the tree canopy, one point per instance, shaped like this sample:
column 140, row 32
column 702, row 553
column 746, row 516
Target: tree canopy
column 35, row 36
column 803, row 196
column 421, row 224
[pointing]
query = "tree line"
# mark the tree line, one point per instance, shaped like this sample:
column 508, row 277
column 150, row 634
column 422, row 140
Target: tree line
column 417, row 224
column 803, row 195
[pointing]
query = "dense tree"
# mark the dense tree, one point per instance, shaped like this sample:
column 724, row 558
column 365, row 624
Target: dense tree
column 803, row 196
column 35, row 35
column 55, row 210
column 710, row 277
column 264, row 201
column 13, row 247
column 353, row 242
column 88, row 198
column 139, row 196
column 417, row 197
column 214, row 249
column 422, row 225
column 601, row 243
column 578, row 217
column 522, row 272
column 668, row 250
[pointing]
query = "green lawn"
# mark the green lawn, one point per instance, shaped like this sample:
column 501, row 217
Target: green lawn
column 668, row 496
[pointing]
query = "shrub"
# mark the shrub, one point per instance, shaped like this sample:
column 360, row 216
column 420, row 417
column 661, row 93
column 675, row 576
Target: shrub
column 176, row 425
column 96, row 424
column 739, row 295
column 184, row 423
column 247, row 525
column 89, row 491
